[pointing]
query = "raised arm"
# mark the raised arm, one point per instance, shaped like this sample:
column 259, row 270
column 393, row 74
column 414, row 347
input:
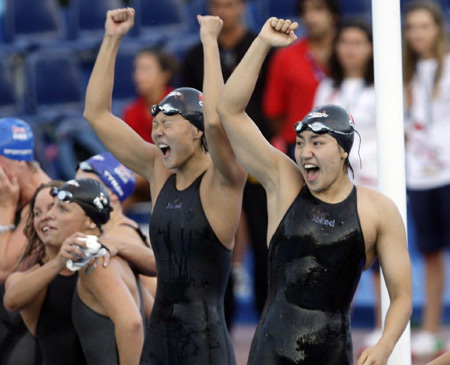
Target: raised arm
column 255, row 153
column 219, row 146
column 394, row 260
column 118, row 137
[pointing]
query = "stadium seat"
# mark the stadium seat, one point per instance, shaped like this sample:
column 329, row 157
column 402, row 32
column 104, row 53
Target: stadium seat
column 158, row 20
column 86, row 21
column 30, row 23
column 9, row 101
column 53, row 83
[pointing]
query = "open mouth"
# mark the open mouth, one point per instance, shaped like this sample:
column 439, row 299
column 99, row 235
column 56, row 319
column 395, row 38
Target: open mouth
column 311, row 172
column 165, row 149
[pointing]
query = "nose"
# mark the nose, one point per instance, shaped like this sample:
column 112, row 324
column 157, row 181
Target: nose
column 306, row 151
column 157, row 130
column 49, row 214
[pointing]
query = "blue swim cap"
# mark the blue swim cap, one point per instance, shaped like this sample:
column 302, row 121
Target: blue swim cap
column 112, row 173
column 16, row 139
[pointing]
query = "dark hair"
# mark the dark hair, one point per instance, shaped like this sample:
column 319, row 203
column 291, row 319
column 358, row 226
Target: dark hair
column 410, row 58
column 35, row 249
column 166, row 61
column 335, row 71
column 332, row 5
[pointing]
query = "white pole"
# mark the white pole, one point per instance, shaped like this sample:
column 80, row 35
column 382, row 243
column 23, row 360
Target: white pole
column 390, row 134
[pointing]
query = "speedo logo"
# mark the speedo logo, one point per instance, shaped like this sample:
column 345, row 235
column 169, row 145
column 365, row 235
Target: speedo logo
column 323, row 221
column 317, row 115
column 176, row 204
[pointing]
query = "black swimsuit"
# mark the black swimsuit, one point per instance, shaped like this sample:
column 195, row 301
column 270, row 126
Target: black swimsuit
column 96, row 331
column 55, row 331
column 316, row 257
column 187, row 324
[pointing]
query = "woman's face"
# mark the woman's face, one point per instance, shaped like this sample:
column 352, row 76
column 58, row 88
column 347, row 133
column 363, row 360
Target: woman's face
column 148, row 75
column 354, row 51
column 60, row 221
column 421, row 32
column 175, row 138
column 42, row 205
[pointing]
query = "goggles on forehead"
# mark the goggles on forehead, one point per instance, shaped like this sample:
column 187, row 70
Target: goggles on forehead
column 167, row 109
column 63, row 195
column 317, row 127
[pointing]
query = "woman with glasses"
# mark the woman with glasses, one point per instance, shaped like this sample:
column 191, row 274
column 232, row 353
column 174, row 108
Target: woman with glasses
column 196, row 188
column 426, row 72
column 323, row 230
column 104, row 325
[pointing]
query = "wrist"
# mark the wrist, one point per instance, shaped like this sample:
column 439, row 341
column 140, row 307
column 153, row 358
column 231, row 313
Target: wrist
column 7, row 227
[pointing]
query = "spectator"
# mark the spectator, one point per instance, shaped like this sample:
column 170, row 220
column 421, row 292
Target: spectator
column 295, row 72
column 427, row 84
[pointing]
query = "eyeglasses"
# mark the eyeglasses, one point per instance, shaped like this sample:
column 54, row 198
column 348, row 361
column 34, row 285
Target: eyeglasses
column 317, row 127
column 166, row 109
column 63, row 195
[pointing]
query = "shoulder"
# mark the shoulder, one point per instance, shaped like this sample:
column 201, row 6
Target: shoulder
column 376, row 204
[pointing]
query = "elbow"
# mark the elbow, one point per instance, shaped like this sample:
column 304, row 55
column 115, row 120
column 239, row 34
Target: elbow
column 10, row 304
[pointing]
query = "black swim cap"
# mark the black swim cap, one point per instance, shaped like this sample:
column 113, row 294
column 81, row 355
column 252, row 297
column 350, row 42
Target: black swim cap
column 90, row 195
column 331, row 119
column 187, row 102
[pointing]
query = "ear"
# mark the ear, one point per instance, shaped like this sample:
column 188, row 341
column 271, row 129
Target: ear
column 197, row 133
column 89, row 224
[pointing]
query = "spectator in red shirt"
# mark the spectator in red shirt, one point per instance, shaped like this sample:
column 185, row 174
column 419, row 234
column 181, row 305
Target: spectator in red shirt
column 153, row 73
column 295, row 72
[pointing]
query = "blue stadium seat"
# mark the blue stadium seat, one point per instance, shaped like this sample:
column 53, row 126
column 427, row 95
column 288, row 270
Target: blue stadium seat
column 350, row 8
column 31, row 23
column 282, row 8
column 86, row 20
column 124, row 90
column 158, row 20
column 9, row 101
column 53, row 83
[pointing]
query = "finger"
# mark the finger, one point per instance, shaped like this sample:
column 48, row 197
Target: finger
column 294, row 26
column 285, row 26
column 3, row 177
column 199, row 19
column 279, row 25
column 273, row 22
column 106, row 259
column 362, row 358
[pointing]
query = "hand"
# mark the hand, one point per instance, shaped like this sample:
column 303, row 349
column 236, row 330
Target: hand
column 376, row 355
column 278, row 32
column 210, row 27
column 9, row 192
column 71, row 249
column 119, row 22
